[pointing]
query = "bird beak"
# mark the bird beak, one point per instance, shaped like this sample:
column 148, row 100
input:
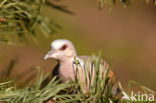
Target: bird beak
column 49, row 55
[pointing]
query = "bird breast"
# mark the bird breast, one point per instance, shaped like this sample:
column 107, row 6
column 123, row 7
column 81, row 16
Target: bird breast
column 66, row 72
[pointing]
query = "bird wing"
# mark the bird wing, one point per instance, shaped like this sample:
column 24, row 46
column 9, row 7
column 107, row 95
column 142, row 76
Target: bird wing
column 103, row 63
column 91, row 62
column 87, row 68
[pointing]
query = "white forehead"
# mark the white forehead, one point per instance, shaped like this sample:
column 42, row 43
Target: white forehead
column 56, row 44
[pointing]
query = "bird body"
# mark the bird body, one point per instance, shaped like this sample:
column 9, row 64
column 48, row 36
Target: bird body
column 70, row 66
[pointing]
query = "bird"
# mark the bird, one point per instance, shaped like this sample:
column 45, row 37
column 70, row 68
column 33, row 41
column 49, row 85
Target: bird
column 69, row 62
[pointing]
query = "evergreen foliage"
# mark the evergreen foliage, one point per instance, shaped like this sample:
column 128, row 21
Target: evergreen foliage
column 20, row 19
column 72, row 92
column 124, row 2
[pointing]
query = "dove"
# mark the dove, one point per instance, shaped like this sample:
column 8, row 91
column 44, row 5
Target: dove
column 64, row 52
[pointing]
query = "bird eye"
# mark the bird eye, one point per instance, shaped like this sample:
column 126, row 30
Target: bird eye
column 63, row 47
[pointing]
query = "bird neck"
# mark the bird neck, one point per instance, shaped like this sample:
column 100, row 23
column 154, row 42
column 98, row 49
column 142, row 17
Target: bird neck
column 67, row 61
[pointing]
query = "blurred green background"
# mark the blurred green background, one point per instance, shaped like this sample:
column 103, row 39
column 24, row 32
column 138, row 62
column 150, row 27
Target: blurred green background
column 127, row 39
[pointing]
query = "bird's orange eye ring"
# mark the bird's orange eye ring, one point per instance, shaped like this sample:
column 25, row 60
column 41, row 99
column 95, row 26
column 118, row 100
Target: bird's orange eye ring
column 63, row 47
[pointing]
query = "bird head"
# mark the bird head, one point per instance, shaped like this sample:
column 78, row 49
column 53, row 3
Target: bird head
column 61, row 50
